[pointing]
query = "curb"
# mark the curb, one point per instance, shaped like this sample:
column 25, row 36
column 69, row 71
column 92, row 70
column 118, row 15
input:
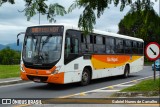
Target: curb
column 12, row 82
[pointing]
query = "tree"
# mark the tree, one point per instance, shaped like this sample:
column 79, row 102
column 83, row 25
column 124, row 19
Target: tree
column 93, row 9
column 142, row 22
column 9, row 56
column 6, row 1
column 33, row 7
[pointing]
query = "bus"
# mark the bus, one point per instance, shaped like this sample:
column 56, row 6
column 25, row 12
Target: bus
column 62, row 54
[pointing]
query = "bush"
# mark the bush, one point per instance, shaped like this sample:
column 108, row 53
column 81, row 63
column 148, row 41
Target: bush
column 9, row 56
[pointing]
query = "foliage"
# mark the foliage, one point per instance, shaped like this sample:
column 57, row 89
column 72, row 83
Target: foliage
column 142, row 22
column 6, row 1
column 146, row 85
column 9, row 56
column 33, row 7
column 87, row 19
column 97, row 8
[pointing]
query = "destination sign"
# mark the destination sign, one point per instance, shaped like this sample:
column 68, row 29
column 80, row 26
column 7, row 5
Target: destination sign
column 52, row 29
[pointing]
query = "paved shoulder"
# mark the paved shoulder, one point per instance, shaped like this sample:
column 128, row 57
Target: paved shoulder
column 9, row 81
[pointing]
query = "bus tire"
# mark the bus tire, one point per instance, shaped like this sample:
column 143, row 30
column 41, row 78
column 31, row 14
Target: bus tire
column 86, row 77
column 126, row 71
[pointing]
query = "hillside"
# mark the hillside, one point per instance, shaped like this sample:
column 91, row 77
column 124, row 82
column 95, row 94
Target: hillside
column 12, row 46
column 2, row 47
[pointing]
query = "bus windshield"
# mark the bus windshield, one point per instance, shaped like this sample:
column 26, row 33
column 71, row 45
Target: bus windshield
column 42, row 49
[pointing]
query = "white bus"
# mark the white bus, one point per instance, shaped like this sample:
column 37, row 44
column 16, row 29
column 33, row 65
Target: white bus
column 61, row 54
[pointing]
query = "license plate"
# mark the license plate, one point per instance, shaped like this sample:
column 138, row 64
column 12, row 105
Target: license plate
column 36, row 80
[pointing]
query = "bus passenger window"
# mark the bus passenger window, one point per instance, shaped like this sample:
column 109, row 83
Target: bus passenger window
column 119, row 46
column 134, row 47
column 110, row 45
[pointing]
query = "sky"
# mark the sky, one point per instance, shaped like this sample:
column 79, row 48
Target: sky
column 13, row 22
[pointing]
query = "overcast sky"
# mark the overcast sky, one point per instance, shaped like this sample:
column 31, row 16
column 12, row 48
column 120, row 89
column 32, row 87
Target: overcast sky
column 12, row 22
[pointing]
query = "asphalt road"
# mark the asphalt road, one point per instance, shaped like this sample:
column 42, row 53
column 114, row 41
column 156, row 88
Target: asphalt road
column 42, row 90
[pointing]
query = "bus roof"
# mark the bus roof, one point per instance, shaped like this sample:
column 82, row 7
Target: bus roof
column 69, row 26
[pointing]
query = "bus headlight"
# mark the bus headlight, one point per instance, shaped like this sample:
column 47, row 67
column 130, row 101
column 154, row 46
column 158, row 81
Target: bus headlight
column 56, row 70
column 21, row 67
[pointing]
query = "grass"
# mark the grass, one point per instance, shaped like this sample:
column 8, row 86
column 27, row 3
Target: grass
column 9, row 71
column 144, row 86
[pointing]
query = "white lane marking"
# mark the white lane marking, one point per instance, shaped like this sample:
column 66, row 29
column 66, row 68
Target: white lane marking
column 15, row 84
column 130, row 81
column 105, row 90
column 67, row 96
column 124, row 85
column 10, row 81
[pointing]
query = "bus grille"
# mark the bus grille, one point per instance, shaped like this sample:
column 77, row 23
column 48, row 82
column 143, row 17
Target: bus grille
column 42, row 79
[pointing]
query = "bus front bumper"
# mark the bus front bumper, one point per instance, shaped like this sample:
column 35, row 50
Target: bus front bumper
column 52, row 78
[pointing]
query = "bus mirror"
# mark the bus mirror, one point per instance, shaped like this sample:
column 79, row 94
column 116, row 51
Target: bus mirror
column 18, row 38
column 17, row 41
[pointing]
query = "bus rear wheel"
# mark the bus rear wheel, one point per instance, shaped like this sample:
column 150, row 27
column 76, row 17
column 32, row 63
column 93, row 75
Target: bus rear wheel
column 126, row 71
column 86, row 77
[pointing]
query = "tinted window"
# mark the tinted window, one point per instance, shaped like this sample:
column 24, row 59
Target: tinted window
column 119, row 46
column 99, row 48
column 82, row 38
column 67, row 47
column 99, row 40
column 87, row 46
column 128, row 46
column 134, row 47
column 140, row 48
column 110, row 47
column 75, row 45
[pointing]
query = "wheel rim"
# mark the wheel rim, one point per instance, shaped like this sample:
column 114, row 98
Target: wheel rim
column 85, row 77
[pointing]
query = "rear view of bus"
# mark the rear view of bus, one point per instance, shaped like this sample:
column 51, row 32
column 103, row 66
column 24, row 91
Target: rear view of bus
column 42, row 49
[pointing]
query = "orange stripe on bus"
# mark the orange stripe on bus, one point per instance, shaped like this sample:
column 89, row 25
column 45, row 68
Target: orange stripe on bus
column 111, row 61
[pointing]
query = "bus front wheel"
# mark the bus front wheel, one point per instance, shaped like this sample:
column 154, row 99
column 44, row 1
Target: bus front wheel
column 86, row 77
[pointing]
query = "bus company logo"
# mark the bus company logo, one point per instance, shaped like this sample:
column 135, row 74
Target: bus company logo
column 112, row 59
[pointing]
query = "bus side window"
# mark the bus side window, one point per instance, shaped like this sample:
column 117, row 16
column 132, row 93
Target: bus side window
column 67, row 46
column 75, row 46
column 134, row 47
column 110, row 45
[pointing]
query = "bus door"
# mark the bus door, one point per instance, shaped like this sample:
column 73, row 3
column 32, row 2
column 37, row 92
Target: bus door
column 71, row 47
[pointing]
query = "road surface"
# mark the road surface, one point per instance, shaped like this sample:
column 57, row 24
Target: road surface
column 43, row 90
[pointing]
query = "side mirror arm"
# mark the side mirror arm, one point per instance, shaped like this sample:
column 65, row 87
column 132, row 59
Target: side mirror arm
column 18, row 38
